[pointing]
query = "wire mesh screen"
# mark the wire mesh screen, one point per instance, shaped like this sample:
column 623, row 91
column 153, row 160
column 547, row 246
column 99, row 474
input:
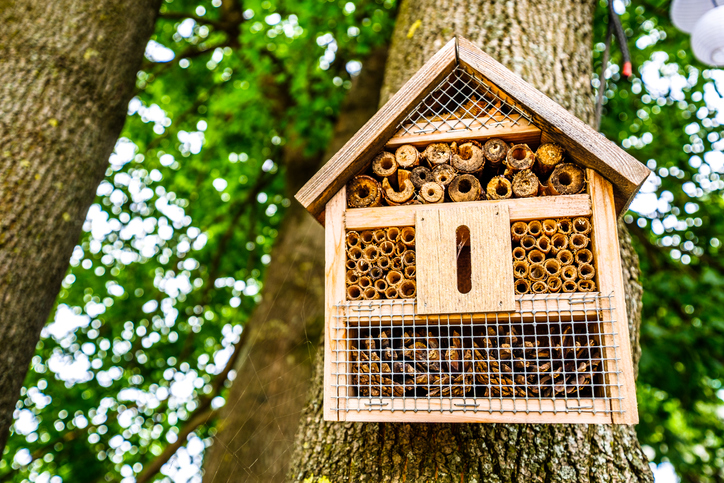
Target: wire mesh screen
column 462, row 102
column 554, row 353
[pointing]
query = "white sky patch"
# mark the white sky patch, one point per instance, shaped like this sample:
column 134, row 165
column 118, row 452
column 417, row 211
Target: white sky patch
column 186, row 28
column 185, row 465
column 25, row 422
column 156, row 52
column 191, row 142
column 123, row 152
column 72, row 369
column 664, row 473
column 66, row 321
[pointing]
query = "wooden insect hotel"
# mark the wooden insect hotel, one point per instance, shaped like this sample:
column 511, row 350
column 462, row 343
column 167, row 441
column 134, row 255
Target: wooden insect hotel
column 472, row 258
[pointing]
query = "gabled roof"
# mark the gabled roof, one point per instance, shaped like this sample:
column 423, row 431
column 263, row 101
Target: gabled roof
column 587, row 146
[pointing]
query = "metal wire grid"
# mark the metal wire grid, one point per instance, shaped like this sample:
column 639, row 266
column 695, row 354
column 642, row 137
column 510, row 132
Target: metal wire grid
column 571, row 333
column 462, row 102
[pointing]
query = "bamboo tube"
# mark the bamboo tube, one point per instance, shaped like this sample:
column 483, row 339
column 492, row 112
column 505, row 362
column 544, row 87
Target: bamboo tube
column 584, row 256
column 370, row 294
column 353, row 239
column 407, row 236
column 379, row 235
column 364, row 282
column 384, row 164
column 537, row 272
column 564, row 226
column 406, row 189
column 393, row 233
column 432, row 193
column 569, row 286
column 554, row 284
column 559, row 242
column 550, row 227
column 407, row 289
column 352, row 277
column 536, row 256
column 376, row 273
column 354, row 253
column 499, row 188
column 547, row 156
column 383, row 262
column 407, row 156
column 566, row 179
column 569, row 272
column 519, row 157
column 396, row 264
column 387, row 248
column 354, row 292
column 535, row 228
column 578, row 241
column 420, row 175
column 553, row 267
column 393, row 277
column 350, row 264
column 443, row 174
column 371, row 253
column 586, row 271
column 582, row 225
column 525, row 184
column 363, row 265
column 586, row 285
column 391, row 292
column 408, row 257
column 437, row 153
column 410, row 271
column 522, row 286
column 519, row 253
column 521, row 268
column 381, row 285
column 465, row 187
column 518, row 230
column 400, row 248
column 539, row 287
column 367, row 237
column 565, row 257
column 363, row 192
column 495, row 151
column 469, row 158
column 527, row 242
column 544, row 244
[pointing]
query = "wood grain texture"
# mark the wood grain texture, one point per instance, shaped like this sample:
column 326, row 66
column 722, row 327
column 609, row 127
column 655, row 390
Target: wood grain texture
column 610, row 280
column 334, row 293
column 523, row 209
column 588, row 147
column 359, row 150
column 438, row 250
column 513, row 134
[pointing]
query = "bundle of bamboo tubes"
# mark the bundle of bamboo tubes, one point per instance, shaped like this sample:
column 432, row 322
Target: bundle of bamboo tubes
column 551, row 256
column 489, row 361
column 465, row 171
column 381, row 264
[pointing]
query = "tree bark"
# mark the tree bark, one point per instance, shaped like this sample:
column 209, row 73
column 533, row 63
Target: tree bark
column 67, row 72
column 257, row 425
column 548, row 43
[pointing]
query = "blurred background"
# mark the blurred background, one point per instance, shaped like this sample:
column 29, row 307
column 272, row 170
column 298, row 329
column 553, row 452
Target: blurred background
column 138, row 355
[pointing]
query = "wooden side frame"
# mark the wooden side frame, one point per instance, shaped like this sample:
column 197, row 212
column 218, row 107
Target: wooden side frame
column 610, row 280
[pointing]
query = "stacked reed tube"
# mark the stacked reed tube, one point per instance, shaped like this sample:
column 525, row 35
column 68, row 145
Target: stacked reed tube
column 495, row 360
column 381, row 264
column 553, row 255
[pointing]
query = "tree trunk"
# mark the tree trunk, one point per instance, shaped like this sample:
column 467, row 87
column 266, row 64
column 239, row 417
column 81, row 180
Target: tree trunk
column 548, row 43
column 67, row 72
column 275, row 368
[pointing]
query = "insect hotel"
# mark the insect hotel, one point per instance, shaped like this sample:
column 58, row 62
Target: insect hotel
column 472, row 258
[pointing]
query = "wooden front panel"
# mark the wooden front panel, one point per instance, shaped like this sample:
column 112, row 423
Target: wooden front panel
column 442, row 237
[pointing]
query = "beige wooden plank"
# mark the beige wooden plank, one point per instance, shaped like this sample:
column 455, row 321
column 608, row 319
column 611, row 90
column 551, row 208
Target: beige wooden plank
column 371, row 138
column 528, row 308
column 437, row 247
column 610, row 279
column 334, row 294
column 522, row 209
column 588, row 147
column 488, row 410
column 516, row 134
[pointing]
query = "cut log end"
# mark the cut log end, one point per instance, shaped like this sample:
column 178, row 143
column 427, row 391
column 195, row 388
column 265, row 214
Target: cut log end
column 469, row 158
column 407, row 156
column 363, row 192
column 499, row 188
column 443, row 174
column 432, row 193
column 465, row 187
column 566, row 179
column 495, row 151
column 384, row 164
column 437, row 153
column 525, row 184
column 407, row 190
column 420, row 176
column 547, row 156
column 519, row 157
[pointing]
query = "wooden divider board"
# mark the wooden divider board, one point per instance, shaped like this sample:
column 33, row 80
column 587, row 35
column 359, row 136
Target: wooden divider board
column 437, row 252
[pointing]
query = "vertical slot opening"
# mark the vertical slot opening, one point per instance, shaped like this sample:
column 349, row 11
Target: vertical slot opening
column 464, row 266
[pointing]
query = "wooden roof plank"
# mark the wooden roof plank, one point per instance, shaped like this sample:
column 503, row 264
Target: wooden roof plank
column 590, row 148
column 371, row 138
